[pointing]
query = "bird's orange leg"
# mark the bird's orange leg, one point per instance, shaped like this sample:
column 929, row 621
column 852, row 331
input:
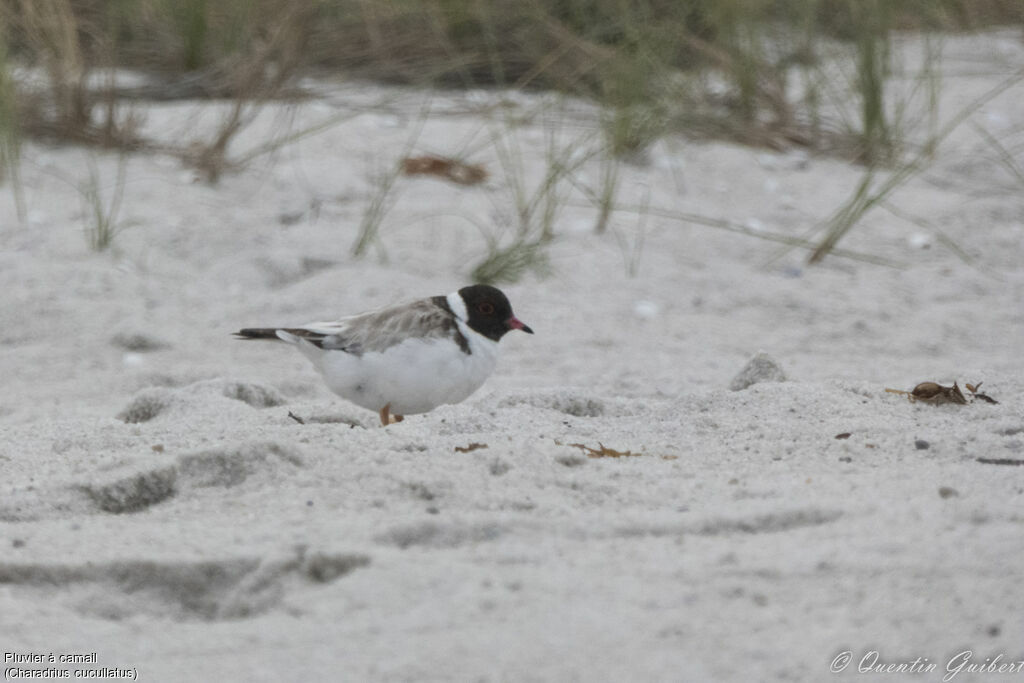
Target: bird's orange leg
column 387, row 418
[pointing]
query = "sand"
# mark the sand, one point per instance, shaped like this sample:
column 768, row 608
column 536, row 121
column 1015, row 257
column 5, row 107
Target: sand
column 163, row 516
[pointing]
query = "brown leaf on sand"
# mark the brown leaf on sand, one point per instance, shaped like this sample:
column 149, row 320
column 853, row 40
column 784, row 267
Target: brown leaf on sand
column 455, row 171
column 932, row 392
column 936, row 394
column 973, row 388
column 603, row 451
column 471, row 447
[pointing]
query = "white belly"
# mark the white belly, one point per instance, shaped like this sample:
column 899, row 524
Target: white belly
column 412, row 377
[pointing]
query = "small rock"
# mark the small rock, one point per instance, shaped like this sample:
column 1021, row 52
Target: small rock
column 919, row 240
column 948, row 492
column 921, row 445
column 760, row 368
column 646, row 310
column 133, row 360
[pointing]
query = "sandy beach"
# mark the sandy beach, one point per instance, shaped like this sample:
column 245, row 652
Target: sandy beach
column 607, row 507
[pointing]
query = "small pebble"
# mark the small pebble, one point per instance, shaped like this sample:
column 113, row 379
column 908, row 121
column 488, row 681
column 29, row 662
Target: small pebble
column 646, row 310
column 760, row 368
column 919, row 240
column 132, row 360
column 921, row 445
column 948, row 492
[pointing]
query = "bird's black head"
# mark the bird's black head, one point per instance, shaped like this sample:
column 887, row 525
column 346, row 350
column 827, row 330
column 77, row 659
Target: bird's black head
column 489, row 312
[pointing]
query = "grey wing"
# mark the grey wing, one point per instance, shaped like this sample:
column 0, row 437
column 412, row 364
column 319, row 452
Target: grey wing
column 379, row 330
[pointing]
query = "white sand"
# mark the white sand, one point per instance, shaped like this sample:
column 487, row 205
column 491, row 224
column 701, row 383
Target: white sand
column 217, row 539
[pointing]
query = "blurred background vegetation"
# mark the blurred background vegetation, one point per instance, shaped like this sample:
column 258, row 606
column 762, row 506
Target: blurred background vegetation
column 774, row 73
column 715, row 67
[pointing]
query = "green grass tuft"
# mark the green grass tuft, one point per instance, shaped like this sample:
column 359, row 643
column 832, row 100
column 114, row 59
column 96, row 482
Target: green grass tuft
column 509, row 264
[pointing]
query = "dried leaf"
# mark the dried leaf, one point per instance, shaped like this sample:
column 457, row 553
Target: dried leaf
column 936, row 394
column 973, row 388
column 603, row 451
column 455, row 171
column 471, row 447
column 932, row 392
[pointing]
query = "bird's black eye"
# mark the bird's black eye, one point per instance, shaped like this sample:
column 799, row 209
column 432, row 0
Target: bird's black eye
column 486, row 308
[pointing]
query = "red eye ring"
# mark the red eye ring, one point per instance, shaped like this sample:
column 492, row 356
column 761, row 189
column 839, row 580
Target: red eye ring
column 486, row 308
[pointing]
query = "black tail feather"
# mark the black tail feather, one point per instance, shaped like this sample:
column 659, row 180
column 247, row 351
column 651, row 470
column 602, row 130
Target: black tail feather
column 314, row 338
column 257, row 333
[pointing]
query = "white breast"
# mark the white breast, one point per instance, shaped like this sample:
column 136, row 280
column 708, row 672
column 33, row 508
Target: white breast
column 414, row 376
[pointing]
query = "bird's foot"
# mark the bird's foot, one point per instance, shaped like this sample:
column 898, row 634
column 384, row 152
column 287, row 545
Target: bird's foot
column 387, row 418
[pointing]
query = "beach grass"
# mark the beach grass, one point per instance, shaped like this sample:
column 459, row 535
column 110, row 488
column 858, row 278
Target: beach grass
column 772, row 73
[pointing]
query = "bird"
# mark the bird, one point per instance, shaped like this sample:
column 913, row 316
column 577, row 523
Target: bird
column 408, row 358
